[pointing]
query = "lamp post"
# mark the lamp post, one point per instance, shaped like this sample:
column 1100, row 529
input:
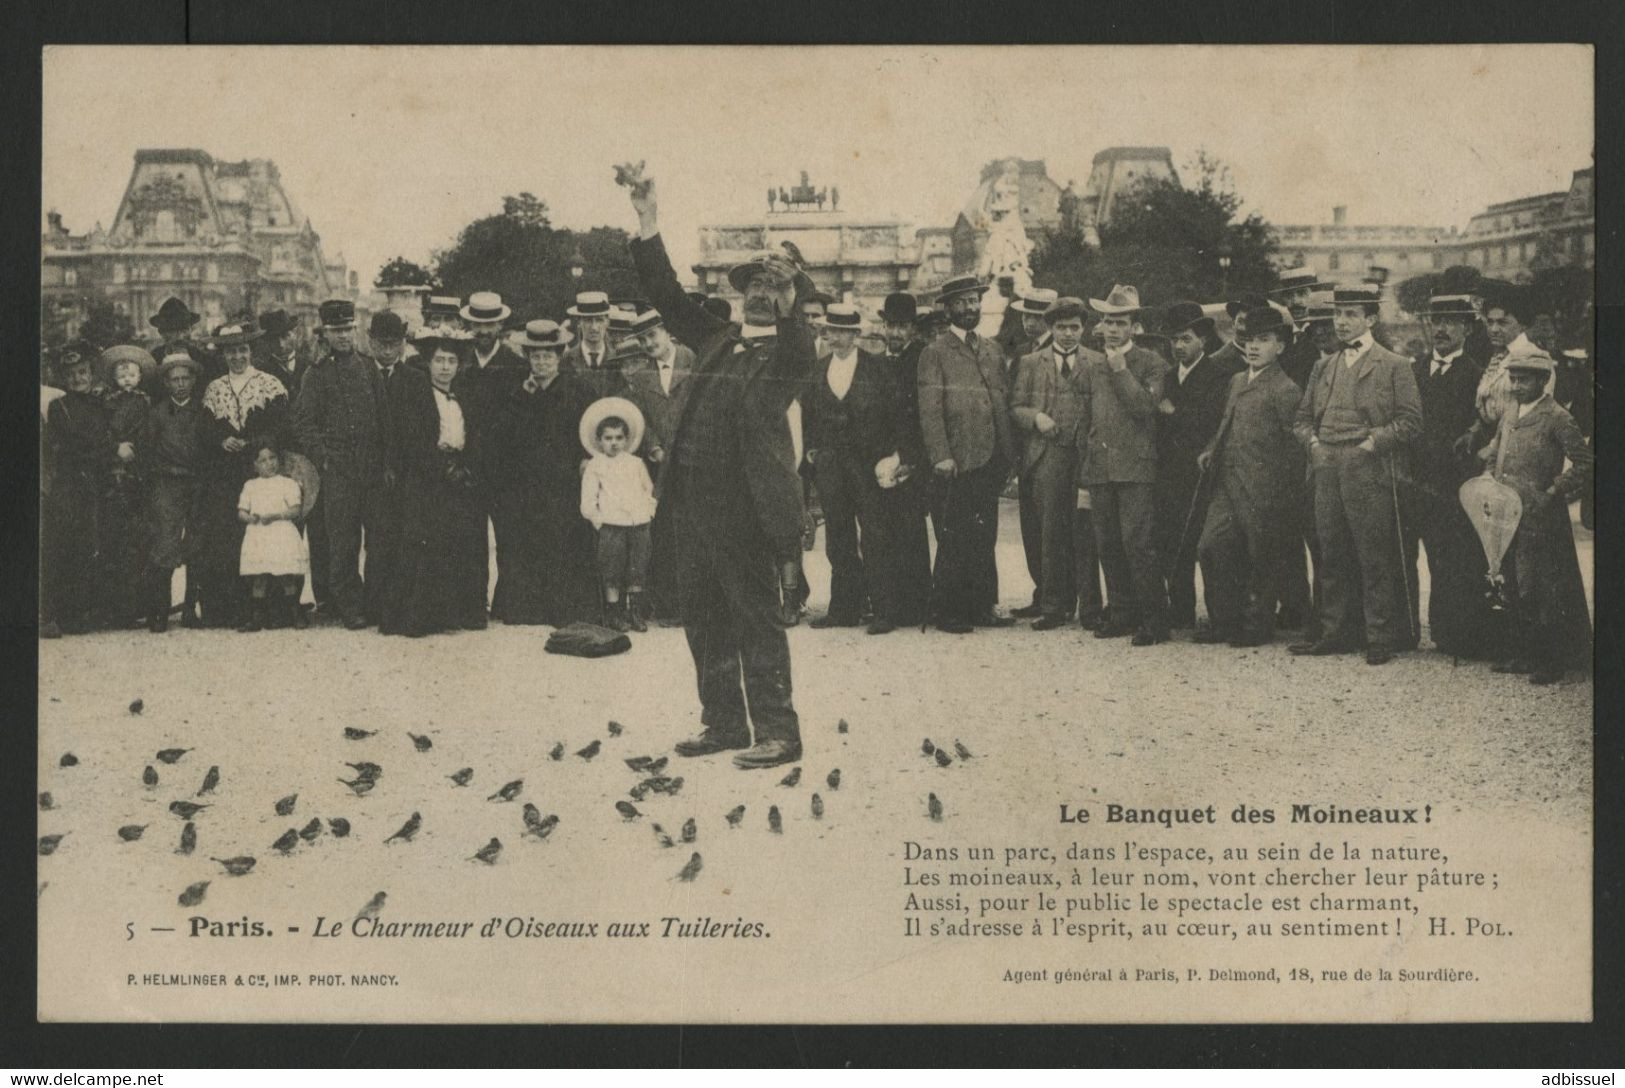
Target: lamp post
column 1224, row 269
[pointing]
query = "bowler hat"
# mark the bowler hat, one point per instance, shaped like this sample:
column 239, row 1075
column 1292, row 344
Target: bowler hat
column 174, row 314
column 899, row 308
column 960, row 285
column 1183, row 315
column 277, row 322
column 590, row 304
column 1121, row 299
column 235, row 333
column 337, row 313
column 719, row 308
column 387, row 325
column 600, row 410
column 484, row 307
column 1035, row 300
column 543, row 333
column 1263, row 320
column 1065, row 308
column 696, row 297
column 842, row 315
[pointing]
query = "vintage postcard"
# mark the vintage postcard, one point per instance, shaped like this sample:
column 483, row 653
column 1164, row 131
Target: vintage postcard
column 822, row 534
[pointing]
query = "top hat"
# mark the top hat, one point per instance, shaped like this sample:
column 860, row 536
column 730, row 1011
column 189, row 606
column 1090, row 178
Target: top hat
column 1183, row 315
column 1365, row 294
column 1122, row 299
column 234, row 333
column 842, row 315
column 484, row 308
column 277, row 322
column 900, row 308
column 1460, row 306
column 337, row 313
column 441, row 305
column 600, row 410
column 386, row 325
column 174, row 314
column 1296, row 279
column 1065, row 308
column 960, row 285
column 543, row 333
column 1035, row 300
column 648, row 319
column 1261, row 320
column 124, row 353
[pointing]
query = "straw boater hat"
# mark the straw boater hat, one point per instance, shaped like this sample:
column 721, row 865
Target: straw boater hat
column 1296, row 279
column 842, row 315
column 441, row 306
column 484, row 308
column 600, row 410
column 543, row 333
column 1366, row 294
column 1035, row 301
column 621, row 320
column 1121, row 299
column 590, row 304
column 124, row 353
column 648, row 319
column 1318, row 308
column 1457, row 306
column 235, row 333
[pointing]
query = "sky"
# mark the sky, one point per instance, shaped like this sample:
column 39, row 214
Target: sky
column 392, row 150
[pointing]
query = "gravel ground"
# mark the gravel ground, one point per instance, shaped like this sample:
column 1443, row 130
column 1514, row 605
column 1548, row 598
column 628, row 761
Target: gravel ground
column 1048, row 717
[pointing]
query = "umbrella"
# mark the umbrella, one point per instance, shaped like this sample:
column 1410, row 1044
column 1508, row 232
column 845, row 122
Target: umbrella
column 1494, row 509
column 299, row 467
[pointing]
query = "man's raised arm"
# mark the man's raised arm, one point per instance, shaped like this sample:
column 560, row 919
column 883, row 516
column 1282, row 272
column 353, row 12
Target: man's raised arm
column 687, row 320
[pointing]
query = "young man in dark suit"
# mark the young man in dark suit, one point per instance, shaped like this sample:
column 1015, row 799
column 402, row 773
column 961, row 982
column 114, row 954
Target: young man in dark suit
column 850, row 428
column 910, row 501
column 1360, row 412
column 965, row 419
column 1188, row 418
column 492, row 375
column 730, row 481
column 1459, row 618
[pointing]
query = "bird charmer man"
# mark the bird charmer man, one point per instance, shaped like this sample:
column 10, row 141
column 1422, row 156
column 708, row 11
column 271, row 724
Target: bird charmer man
column 730, row 483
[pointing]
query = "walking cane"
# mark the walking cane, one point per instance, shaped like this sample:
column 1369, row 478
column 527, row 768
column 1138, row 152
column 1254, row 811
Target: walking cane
column 1399, row 537
column 942, row 531
column 1190, row 515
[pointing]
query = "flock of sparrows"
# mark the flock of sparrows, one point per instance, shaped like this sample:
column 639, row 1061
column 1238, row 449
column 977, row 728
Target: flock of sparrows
column 366, row 774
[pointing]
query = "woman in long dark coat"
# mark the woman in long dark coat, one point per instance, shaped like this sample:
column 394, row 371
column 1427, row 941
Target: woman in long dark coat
column 439, row 584
column 79, row 452
column 240, row 407
column 556, row 576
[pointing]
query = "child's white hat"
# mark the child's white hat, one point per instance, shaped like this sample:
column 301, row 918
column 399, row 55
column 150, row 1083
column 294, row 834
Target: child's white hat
column 600, row 410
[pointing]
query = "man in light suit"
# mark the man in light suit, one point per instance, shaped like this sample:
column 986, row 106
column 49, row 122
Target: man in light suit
column 1358, row 416
column 1046, row 408
column 729, row 479
column 1033, row 335
column 964, row 416
column 1117, row 440
column 656, row 382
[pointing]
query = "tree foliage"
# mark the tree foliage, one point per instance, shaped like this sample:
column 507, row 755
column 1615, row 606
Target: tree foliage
column 104, row 326
column 1166, row 240
column 400, row 272
column 522, row 257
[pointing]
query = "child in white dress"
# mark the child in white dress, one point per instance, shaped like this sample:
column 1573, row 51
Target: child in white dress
column 273, row 551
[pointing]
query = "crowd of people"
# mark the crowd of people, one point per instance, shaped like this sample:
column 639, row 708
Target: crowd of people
column 1302, row 466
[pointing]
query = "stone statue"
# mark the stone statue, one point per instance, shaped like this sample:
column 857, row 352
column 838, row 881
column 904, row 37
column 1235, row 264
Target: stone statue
column 771, row 197
column 822, row 195
column 1008, row 246
column 834, row 198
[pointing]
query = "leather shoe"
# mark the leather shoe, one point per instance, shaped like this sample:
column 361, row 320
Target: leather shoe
column 1148, row 637
column 1546, row 676
column 789, row 615
column 1378, row 655
column 993, row 619
column 769, row 753
column 708, row 743
column 1027, row 612
column 827, row 620
column 1210, row 636
column 1247, row 639
column 955, row 627
column 1318, row 648
column 1089, row 621
column 354, row 623
column 1050, row 622
column 190, row 619
column 158, row 623
column 1113, row 630
column 880, row 627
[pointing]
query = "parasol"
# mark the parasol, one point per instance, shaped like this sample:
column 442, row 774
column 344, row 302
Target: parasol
column 298, row 466
column 1494, row 509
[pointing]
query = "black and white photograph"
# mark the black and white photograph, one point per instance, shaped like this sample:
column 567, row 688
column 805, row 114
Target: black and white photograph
column 840, row 534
